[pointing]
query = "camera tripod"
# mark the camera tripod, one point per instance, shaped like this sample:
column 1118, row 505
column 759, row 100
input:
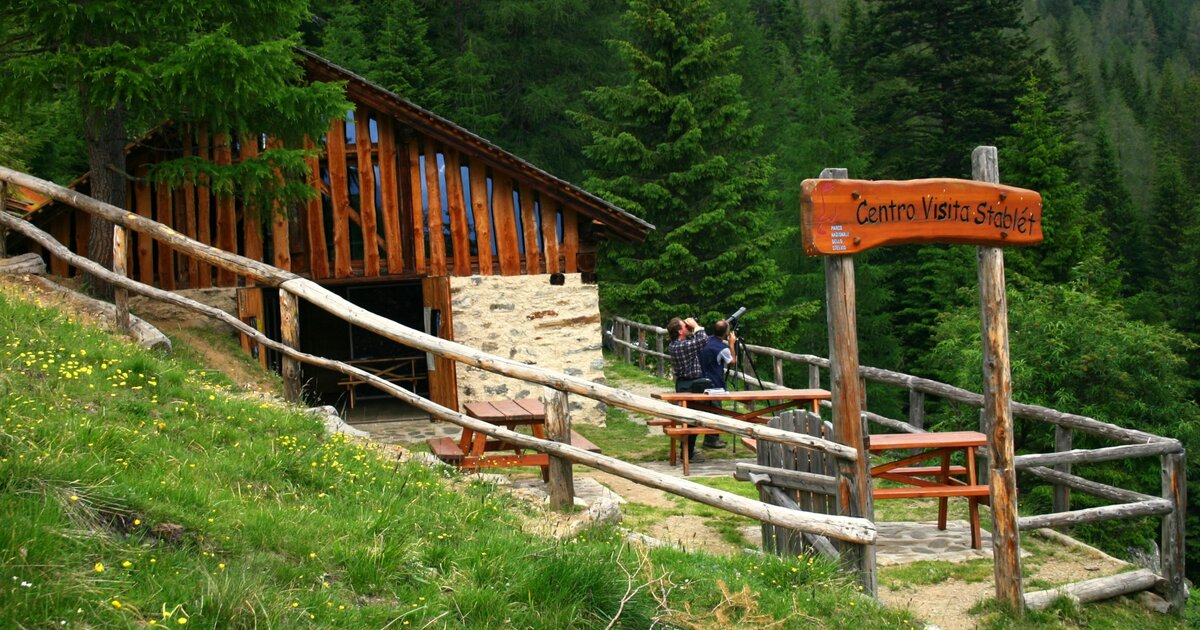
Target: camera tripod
column 745, row 361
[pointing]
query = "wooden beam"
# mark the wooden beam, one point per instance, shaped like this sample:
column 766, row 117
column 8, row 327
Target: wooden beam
column 366, row 191
column 570, row 242
column 163, row 208
column 549, row 210
column 389, row 190
column 1095, row 590
column 459, row 229
column 854, row 478
column 339, row 192
column 252, row 223
column 437, row 237
column 1091, row 456
column 790, row 479
column 60, row 227
column 1172, row 543
column 481, row 206
column 289, row 326
column 314, row 218
column 416, row 183
column 226, row 218
column 997, row 396
column 529, row 231
column 507, row 246
column 143, row 205
column 120, row 268
column 558, row 428
column 1091, row 515
column 203, row 210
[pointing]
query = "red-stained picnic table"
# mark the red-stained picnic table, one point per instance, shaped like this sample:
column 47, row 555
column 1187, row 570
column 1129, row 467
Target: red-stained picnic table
column 475, row 450
column 940, row 481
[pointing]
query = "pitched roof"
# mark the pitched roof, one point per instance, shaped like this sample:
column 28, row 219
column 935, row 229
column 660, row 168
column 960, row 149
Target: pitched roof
column 359, row 89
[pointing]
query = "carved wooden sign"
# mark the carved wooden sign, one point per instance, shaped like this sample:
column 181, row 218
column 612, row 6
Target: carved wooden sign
column 846, row 216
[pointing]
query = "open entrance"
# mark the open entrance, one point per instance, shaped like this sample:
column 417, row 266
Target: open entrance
column 324, row 334
column 419, row 304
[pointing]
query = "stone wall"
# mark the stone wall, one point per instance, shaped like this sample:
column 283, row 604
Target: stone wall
column 527, row 319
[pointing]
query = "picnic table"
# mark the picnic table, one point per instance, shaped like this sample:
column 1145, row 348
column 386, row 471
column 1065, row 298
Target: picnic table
column 777, row 399
column 940, row 481
column 475, row 450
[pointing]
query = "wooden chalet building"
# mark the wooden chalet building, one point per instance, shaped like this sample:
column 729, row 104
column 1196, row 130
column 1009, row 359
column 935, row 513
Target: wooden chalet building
column 417, row 219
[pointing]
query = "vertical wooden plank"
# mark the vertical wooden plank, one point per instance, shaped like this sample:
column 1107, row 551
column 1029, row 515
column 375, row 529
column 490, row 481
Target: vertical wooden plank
column 549, row 211
column 570, row 244
column 507, row 248
column 529, row 231
column 997, row 398
column 460, row 233
column 163, row 211
column 366, row 192
column 289, row 326
column 416, row 185
column 854, row 481
column 314, row 218
column 121, row 268
column 339, row 192
column 60, row 229
column 252, row 219
column 226, row 216
column 390, row 195
column 281, row 247
column 83, row 228
column 203, row 210
column 560, row 482
column 437, row 237
column 1062, row 443
column 1174, row 487
column 480, row 202
column 776, row 369
column 763, row 458
column 814, row 376
column 443, row 377
column 142, row 204
column 187, row 198
column 660, row 363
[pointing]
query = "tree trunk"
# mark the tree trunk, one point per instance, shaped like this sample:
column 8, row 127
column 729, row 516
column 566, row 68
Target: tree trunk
column 104, row 130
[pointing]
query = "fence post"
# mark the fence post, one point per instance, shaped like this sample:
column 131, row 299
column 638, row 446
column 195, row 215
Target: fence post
column 121, row 268
column 1062, row 493
column 777, row 368
column 289, row 326
column 3, row 230
column 814, row 376
column 660, row 362
column 628, row 342
column 916, row 409
column 558, row 428
column 854, row 480
column 1174, row 487
column 997, row 405
column 642, row 349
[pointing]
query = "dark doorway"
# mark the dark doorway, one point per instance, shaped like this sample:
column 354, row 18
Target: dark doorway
column 325, row 335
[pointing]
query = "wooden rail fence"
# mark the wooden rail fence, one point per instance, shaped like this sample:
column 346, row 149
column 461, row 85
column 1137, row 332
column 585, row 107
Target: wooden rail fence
column 1053, row 468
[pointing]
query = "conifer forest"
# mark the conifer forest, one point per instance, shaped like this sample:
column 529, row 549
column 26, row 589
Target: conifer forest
column 703, row 117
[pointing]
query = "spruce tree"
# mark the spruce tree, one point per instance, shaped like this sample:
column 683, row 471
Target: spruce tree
column 1109, row 196
column 672, row 146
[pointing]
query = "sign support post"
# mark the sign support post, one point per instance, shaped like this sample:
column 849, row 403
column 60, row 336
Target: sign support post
column 854, row 479
column 997, row 404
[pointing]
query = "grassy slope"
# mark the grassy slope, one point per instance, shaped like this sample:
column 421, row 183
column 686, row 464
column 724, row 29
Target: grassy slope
column 141, row 491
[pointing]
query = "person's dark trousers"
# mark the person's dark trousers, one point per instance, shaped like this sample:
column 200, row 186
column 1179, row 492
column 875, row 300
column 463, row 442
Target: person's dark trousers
column 685, row 386
column 713, row 440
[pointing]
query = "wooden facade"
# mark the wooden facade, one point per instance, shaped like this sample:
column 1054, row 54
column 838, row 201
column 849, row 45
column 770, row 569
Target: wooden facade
column 403, row 193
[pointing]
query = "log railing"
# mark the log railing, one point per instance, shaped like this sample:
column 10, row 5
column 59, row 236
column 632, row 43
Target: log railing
column 1053, row 468
column 854, row 530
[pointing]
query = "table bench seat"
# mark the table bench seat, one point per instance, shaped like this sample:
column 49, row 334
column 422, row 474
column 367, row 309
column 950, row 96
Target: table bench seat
column 924, row 471
column 913, row 492
column 448, row 450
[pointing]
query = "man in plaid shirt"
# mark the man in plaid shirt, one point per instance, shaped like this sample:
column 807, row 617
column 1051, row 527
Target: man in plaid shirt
column 687, row 338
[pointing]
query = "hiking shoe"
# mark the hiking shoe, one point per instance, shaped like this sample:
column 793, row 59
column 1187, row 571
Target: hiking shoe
column 696, row 457
column 714, row 444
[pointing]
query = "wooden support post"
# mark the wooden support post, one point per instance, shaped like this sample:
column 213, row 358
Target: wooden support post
column 854, row 480
column 777, row 370
column 3, row 230
column 558, row 428
column 661, row 362
column 626, row 336
column 289, row 327
column 1062, row 443
column 1174, row 487
column 814, row 376
column 916, row 409
column 997, row 405
column 121, row 267
column 642, row 349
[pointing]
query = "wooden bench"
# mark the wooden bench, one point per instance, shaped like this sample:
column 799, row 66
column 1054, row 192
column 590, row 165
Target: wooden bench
column 396, row 370
column 975, row 495
column 448, row 450
column 680, row 434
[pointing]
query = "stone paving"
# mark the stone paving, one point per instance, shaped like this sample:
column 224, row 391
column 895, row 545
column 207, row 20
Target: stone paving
column 899, row 543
